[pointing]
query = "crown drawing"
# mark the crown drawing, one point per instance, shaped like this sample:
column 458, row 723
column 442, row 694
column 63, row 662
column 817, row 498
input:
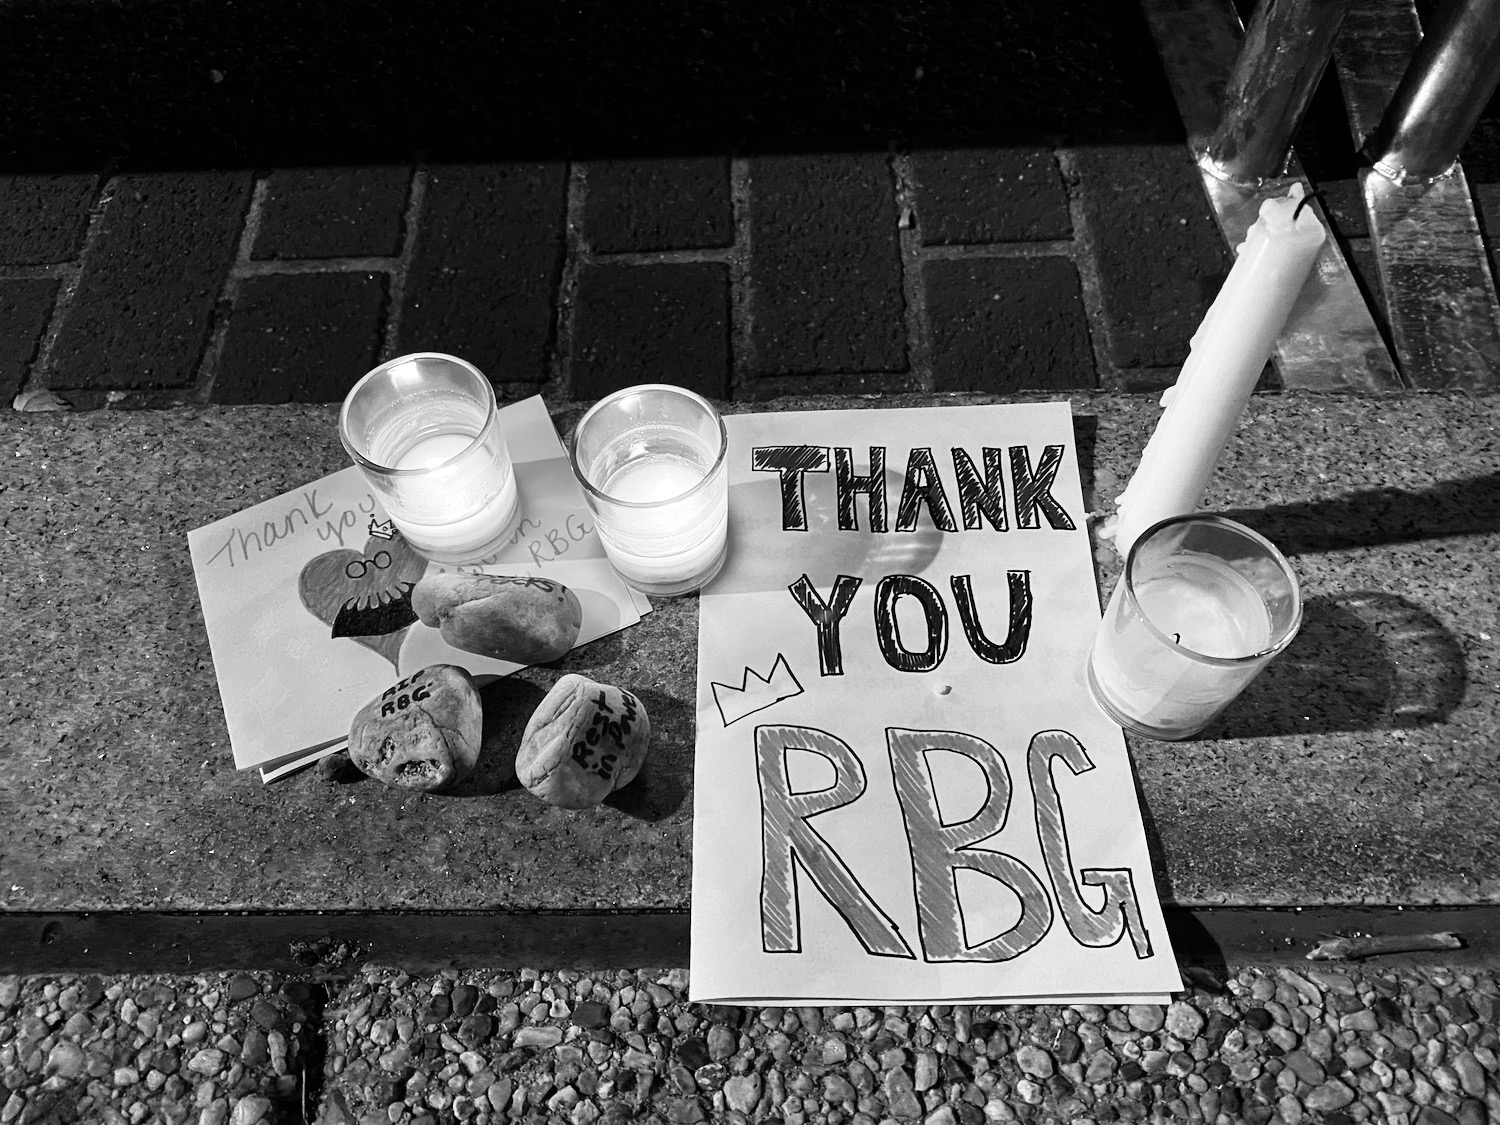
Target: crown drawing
column 756, row 692
column 385, row 530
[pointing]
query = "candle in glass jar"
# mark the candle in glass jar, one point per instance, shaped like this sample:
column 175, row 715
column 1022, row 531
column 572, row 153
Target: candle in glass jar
column 442, row 519
column 676, row 532
column 652, row 462
column 424, row 429
column 1202, row 607
column 1206, row 609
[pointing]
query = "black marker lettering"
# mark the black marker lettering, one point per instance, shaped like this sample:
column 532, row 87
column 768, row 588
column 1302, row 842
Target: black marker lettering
column 850, row 485
column 791, row 461
column 903, row 659
column 980, row 500
column 826, row 616
column 1033, row 487
column 1019, row 630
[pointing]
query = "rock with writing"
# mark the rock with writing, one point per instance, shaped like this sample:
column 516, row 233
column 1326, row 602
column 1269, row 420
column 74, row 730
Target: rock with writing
column 584, row 741
column 423, row 733
column 525, row 620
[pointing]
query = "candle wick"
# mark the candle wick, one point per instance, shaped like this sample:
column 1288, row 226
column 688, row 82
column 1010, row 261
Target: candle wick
column 1176, row 638
column 1303, row 202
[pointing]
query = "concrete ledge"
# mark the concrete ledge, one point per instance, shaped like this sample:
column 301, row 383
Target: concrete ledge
column 426, row 942
column 1362, row 769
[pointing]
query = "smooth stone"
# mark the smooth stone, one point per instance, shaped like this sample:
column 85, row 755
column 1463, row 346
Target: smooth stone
column 422, row 733
column 66, row 1060
column 250, row 1109
column 1034, row 1061
column 584, row 741
column 1145, row 1017
column 742, row 1092
column 1331, row 1095
column 1183, row 1020
column 538, row 1037
column 524, row 620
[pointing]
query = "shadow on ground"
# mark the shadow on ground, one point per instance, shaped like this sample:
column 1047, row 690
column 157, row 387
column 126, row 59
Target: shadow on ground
column 1365, row 660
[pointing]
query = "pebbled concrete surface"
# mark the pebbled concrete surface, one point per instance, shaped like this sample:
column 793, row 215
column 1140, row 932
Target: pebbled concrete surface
column 116, row 791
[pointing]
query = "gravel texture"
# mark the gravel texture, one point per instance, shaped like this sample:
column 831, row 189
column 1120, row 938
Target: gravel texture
column 1314, row 1044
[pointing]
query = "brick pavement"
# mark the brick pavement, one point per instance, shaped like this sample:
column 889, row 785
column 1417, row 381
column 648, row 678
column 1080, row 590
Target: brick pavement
column 962, row 269
column 980, row 269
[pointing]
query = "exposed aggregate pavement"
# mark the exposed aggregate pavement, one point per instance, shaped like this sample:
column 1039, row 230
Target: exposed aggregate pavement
column 1413, row 1045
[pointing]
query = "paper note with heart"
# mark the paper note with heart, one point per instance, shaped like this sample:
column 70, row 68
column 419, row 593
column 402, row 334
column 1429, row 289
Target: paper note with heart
column 307, row 597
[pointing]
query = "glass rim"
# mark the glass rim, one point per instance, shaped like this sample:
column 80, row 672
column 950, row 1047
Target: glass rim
column 491, row 418
column 1127, row 579
column 608, row 400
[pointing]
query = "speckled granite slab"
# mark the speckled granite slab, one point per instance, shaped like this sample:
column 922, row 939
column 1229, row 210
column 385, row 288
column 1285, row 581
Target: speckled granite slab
column 1364, row 766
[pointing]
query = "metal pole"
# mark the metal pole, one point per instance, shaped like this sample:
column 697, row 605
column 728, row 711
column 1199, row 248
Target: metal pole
column 1286, row 49
column 1450, row 78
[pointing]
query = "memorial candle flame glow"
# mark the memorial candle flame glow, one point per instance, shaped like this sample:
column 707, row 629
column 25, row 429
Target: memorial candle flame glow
column 1228, row 353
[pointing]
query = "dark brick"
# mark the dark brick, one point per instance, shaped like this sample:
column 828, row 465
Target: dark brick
column 300, row 337
column 24, row 306
column 990, row 195
column 43, row 218
column 652, row 324
column 1007, row 324
column 333, row 213
column 825, row 265
column 658, row 205
column 487, row 263
column 141, row 312
column 1159, row 255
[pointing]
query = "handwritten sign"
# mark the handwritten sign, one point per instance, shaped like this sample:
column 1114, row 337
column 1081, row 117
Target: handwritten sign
column 904, row 792
column 307, row 597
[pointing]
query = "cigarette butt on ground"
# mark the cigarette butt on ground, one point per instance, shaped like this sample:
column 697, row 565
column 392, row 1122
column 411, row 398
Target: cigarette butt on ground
column 1353, row 948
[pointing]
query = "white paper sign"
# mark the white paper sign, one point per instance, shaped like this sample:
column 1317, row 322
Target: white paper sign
column 307, row 602
column 904, row 792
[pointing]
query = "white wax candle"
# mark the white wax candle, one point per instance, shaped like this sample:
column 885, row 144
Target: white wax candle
column 1228, row 352
column 458, row 509
column 1200, row 606
column 433, row 451
column 680, row 535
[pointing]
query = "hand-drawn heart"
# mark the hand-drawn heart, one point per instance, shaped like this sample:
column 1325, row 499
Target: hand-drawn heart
column 365, row 597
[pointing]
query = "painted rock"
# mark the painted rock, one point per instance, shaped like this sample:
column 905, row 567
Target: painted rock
column 521, row 619
column 423, row 733
column 583, row 742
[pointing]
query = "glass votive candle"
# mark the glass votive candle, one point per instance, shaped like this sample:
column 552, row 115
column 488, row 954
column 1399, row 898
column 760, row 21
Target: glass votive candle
column 424, row 430
column 1203, row 605
column 651, row 460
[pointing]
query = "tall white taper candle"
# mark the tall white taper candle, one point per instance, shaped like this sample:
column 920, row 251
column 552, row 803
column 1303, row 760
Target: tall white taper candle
column 1228, row 352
